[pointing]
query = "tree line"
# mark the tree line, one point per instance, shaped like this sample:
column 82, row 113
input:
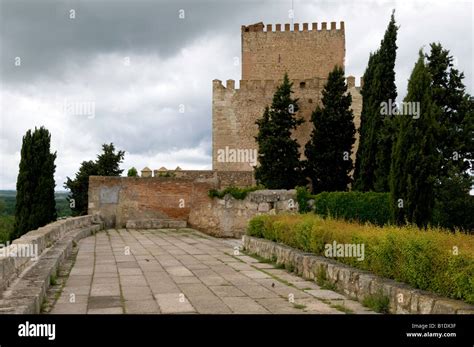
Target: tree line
column 35, row 204
column 422, row 158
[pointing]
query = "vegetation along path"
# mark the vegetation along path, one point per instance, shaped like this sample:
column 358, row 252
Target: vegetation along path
column 184, row 271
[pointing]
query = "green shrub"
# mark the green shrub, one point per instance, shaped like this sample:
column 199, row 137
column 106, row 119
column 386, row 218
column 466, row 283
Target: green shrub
column 377, row 302
column 132, row 172
column 6, row 228
column 433, row 259
column 355, row 206
column 303, row 196
column 235, row 192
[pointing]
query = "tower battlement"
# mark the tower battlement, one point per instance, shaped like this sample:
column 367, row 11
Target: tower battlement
column 301, row 51
column 307, row 53
column 297, row 27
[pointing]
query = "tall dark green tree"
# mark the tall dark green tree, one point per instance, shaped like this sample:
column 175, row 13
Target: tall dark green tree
column 328, row 152
column 376, row 130
column 107, row 164
column 35, row 203
column 278, row 154
column 415, row 157
column 455, row 142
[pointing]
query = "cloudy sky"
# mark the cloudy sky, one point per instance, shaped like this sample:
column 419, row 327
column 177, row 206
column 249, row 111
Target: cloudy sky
column 137, row 74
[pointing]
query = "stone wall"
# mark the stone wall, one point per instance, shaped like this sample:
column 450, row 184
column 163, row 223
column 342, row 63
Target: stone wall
column 234, row 112
column 307, row 53
column 24, row 279
column 356, row 284
column 156, row 201
column 228, row 217
column 120, row 199
column 301, row 50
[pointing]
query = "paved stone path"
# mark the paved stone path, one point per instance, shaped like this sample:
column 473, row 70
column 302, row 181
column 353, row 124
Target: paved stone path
column 185, row 271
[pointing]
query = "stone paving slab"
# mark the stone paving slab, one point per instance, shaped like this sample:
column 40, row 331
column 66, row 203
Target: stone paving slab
column 170, row 271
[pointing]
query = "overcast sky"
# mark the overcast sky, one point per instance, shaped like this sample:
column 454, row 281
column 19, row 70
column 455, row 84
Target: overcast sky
column 148, row 73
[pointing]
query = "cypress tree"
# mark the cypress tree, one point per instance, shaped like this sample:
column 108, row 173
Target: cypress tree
column 415, row 157
column 328, row 151
column 278, row 154
column 455, row 141
column 376, row 133
column 35, row 202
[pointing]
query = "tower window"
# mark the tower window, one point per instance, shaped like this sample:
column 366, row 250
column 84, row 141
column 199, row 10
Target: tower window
column 302, row 84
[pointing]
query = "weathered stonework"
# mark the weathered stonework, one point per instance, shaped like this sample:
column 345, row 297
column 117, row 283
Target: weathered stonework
column 356, row 284
column 228, row 217
column 24, row 280
column 306, row 54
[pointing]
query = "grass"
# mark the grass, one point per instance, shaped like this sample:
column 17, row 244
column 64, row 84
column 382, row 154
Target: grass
column 235, row 192
column 53, row 280
column 377, row 302
column 341, row 308
column 299, row 306
column 323, row 281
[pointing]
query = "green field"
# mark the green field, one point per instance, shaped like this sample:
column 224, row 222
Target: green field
column 7, row 210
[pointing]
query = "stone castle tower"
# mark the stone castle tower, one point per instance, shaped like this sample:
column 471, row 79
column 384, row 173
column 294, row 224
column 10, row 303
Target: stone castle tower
column 306, row 54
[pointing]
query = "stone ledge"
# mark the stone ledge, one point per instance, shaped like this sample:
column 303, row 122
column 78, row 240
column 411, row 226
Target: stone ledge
column 355, row 283
column 25, row 295
column 42, row 238
column 156, row 224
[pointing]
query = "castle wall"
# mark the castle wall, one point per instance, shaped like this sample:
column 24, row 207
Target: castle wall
column 120, row 199
column 308, row 53
column 303, row 51
column 235, row 111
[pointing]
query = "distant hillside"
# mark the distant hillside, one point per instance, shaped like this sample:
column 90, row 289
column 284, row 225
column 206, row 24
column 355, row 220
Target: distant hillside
column 8, row 198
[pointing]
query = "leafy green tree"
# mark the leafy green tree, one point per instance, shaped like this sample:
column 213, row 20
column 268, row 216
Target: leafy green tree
column 455, row 142
column 415, row 157
column 35, row 204
column 132, row 172
column 278, row 154
column 376, row 130
column 328, row 151
column 107, row 164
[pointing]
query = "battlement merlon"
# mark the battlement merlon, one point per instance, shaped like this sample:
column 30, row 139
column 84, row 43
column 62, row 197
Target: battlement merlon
column 260, row 27
column 256, row 85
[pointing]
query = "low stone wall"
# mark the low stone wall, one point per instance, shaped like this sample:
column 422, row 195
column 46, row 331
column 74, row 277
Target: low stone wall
column 24, row 279
column 228, row 217
column 125, row 201
column 357, row 284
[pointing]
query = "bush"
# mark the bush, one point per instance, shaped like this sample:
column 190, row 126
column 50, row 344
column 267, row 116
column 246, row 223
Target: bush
column 6, row 228
column 235, row 192
column 132, row 172
column 433, row 259
column 303, row 196
column 355, row 206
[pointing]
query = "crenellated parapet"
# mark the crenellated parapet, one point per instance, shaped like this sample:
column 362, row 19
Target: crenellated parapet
column 296, row 27
column 258, row 86
column 303, row 50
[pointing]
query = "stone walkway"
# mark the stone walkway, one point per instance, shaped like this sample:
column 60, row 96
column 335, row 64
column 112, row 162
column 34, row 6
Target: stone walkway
column 185, row 271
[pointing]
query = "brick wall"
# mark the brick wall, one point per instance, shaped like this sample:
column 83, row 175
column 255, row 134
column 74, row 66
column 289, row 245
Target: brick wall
column 119, row 199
